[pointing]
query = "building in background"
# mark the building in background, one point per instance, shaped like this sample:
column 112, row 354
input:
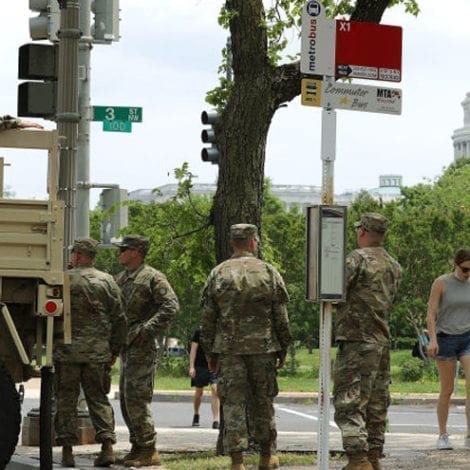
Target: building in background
column 461, row 136
column 291, row 195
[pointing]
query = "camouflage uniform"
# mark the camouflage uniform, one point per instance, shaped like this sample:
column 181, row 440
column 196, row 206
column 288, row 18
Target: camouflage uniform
column 362, row 366
column 150, row 305
column 246, row 327
column 98, row 333
column 9, row 122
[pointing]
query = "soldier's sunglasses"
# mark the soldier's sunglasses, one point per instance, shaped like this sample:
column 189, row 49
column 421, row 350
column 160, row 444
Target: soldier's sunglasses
column 122, row 249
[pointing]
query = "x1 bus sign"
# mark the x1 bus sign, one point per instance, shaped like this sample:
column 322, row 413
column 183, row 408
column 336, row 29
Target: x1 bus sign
column 352, row 49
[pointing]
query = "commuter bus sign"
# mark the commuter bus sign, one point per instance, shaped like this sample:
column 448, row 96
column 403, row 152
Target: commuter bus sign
column 339, row 95
column 350, row 49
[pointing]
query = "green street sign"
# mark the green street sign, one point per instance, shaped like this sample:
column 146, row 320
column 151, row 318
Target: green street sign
column 117, row 126
column 117, row 113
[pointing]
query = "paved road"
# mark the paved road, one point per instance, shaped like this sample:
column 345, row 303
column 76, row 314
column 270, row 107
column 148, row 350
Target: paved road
column 296, row 417
column 413, row 430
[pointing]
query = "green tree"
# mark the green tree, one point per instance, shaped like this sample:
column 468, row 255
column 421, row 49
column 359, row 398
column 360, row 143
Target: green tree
column 263, row 82
column 427, row 225
column 284, row 246
column 181, row 246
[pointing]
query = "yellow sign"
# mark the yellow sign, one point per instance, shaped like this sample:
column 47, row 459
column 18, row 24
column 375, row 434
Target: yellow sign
column 311, row 92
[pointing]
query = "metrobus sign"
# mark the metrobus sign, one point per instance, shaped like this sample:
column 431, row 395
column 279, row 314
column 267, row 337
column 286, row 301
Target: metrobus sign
column 350, row 49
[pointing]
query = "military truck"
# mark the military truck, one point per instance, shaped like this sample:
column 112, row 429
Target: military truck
column 34, row 299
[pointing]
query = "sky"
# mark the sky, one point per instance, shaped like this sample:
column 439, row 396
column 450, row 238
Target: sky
column 167, row 59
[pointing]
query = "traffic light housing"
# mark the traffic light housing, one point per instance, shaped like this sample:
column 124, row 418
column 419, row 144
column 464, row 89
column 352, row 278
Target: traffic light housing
column 106, row 20
column 47, row 24
column 208, row 136
column 115, row 213
column 38, row 98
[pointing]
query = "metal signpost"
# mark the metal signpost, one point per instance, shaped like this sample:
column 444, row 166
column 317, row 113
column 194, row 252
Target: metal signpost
column 336, row 49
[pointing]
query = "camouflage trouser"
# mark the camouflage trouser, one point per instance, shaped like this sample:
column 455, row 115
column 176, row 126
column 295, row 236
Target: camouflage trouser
column 361, row 394
column 93, row 378
column 136, row 393
column 255, row 374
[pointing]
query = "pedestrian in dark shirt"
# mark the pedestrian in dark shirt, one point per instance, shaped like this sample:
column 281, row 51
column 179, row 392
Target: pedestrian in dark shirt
column 201, row 376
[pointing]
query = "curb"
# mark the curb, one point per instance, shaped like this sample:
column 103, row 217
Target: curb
column 307, row 398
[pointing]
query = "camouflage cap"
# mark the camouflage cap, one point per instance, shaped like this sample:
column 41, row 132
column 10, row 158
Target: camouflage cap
column 373, row 222
column 85, row 246
column 243, row 231
column 134, row 242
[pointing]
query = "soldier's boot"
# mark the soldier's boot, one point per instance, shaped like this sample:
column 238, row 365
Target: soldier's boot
column 374, row 456
column 358, row 461
column 237, row 460
column 144, row 457
column 67, row 457
column 268, row 462
column 129, row 456
column 106, row 456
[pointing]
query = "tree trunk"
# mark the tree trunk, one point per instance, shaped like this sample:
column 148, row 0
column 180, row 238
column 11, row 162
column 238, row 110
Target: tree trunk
column 258, row 91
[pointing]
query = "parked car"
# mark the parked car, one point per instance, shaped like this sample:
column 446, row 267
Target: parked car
column 176, row 351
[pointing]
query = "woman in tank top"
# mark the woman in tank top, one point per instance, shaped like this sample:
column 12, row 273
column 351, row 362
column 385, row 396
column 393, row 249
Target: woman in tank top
column 449, row 333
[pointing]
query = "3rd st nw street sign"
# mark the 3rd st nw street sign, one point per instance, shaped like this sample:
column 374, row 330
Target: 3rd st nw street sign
column 337, row 95
column 354, row 49
column 117, row 113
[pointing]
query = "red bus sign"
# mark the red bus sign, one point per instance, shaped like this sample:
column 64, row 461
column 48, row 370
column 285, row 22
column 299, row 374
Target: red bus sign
column 368, row 50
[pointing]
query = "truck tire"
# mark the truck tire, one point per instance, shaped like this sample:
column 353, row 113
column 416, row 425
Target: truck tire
column 45, row 419
column 10, row 417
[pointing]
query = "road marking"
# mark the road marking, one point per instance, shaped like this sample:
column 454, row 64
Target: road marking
column 302, row 415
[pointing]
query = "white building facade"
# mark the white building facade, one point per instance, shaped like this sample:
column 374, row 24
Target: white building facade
column 461, row 136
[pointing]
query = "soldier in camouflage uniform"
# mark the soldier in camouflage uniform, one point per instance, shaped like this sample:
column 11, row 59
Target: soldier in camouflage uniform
column 245, row 331
column 362, row 366
column 10, row 122
column 150, row 305
column 98, row 333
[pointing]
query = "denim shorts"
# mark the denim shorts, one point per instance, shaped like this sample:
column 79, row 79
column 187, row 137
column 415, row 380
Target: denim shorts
column 453, row 346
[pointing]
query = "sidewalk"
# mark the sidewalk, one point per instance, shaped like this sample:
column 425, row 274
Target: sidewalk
column 402, row 450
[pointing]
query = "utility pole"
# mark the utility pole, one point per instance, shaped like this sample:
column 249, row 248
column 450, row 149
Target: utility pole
column 68, row 115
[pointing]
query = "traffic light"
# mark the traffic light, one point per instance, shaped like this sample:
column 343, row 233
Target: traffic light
column 115, row 213
column 39, row 98
column 106, row 25
column 208, row 136
column 47, row 24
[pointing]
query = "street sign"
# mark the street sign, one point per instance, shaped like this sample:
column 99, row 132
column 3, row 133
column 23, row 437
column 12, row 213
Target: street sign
column 318, row 41
column 338, row 95
column 117, row 126
column 353, row 49
column 368, row 50
column 117, row 113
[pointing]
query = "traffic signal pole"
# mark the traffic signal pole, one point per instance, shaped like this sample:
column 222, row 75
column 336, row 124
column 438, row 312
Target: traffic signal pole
column 68, row 115
column 83, row 154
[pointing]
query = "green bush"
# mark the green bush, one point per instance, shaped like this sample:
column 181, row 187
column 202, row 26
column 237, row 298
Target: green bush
column 173, row 366
column 411, row 370
column 430, row 371
column 404, row 342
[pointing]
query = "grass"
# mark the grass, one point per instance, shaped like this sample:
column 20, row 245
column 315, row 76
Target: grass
column 172, row 374
column 209, row 461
